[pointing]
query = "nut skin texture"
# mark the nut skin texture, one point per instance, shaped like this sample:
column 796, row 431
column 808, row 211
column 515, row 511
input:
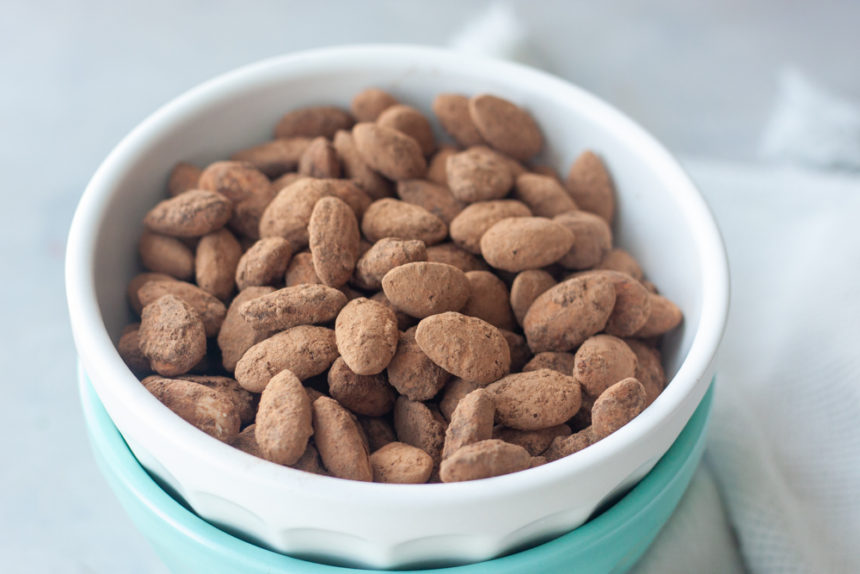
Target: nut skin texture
column 520, row 352
column 452, row 111
column 210, row 310
column 301, row 271
column 535, row 441
column 356, row 169
column 310, row 461
column 283, row 424
column 183, row 177
column 333, row 239
column 546, row 170
column 412, row 372
column 351, row 194
column 535, row 400
column 515, row 167
column 368, row 395
column 319, row 159
column 172, row 336
column 139, row 281
column 632, row 305
column 619, row 260
column 519, row 243
column 453, row 255
column 289, row 213
column 435, row 198
column 484, row 459
column 237, row 335
column 274, row 158
column 313, row 122
column 617, row 406
column 544, row 195
column 563, row 446
column 385, row 255
column 566, row 315
column 245, row 402
column 400, row 463
column 235, row 180
column 422, row 288
column 649, row 369
column 415, row 425
column 505, row 126
column 489, row 300
column 590, row 186
column 664, row 317
column 452, row 394
column 475, row 175
column 437, row 169
column 601, row 361
column 471, row 223
column 264, row 263
column 305, row 350
column 471, row 421
column 368, row 104
column 246, row 441
column 215, row 263
column 207, row 409
column 528, row 285
column 378, row 431
column 404, row 321
column 388, row 151
column 367, row 336
column 247, row 213
column 411, row 122
column 339, row 441
column 291, row 306
column 167, row 255
column 561, row 362
column 582, row 419
column 466, row 347
column 593, row 239
column 129, row 349
column 394, row 218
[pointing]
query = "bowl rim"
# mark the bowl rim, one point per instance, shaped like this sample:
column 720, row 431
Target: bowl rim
column 99, row 353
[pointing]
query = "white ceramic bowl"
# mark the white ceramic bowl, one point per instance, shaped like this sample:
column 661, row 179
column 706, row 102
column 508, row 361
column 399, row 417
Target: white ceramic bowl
column 662, row 221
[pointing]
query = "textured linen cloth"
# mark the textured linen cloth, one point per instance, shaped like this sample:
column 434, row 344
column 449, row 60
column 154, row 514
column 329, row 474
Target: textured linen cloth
column 785, row 439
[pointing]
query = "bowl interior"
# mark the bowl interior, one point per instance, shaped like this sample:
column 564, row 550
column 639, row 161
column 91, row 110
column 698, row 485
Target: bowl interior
column 653, row 225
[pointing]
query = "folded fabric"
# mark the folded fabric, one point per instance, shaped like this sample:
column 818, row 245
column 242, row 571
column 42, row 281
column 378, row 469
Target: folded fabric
column 811, row 125
column 785, row 439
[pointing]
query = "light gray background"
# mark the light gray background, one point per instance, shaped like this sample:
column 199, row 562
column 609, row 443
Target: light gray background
column 77, row 76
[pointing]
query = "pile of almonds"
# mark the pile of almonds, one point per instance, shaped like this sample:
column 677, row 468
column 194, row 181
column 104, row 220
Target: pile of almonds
column 353, row 299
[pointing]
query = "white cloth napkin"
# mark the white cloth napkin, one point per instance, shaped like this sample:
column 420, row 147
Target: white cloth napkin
column 784, row 441
column 785, row 436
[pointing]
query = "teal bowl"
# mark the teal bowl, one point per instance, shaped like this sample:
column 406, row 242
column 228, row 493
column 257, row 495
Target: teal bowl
column 611, row 542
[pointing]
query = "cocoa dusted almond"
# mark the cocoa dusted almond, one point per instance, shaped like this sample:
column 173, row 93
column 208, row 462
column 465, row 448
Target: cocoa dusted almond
column 314, row 121
column 506, row 126
column 466, row 347
column 190, row 214
column 520, row 243
column 423, row 288
column 390, row 152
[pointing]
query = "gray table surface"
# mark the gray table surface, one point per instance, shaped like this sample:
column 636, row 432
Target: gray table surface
column 76, row 76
